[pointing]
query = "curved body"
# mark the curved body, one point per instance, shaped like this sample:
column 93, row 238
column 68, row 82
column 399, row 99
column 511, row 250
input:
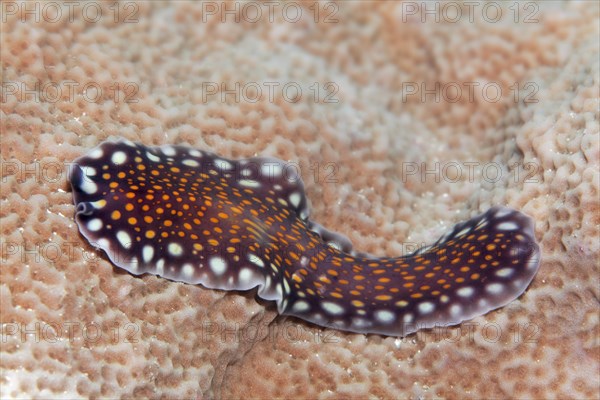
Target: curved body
column 192, row 216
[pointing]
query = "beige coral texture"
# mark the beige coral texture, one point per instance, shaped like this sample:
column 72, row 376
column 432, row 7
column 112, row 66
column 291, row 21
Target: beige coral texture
column 73, row 325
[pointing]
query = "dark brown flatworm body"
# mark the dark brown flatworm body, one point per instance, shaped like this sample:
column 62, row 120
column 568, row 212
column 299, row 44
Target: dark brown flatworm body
column 192, row 216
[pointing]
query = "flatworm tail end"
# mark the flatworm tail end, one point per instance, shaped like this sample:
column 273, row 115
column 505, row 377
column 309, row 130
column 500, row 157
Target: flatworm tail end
column 497, row 257
column 480, row 265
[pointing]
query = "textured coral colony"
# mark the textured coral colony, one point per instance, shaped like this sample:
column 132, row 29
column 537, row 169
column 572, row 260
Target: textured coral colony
column 431, row 112
column 192, row 216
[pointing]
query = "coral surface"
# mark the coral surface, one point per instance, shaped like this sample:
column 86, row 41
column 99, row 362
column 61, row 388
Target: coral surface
column 403, row 121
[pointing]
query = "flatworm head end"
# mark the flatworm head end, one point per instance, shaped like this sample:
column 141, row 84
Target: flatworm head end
column 185, row 214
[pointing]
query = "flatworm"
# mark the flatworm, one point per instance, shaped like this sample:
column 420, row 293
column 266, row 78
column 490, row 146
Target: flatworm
column 192, row 216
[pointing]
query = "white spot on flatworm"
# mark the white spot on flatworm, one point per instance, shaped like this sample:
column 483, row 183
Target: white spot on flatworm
column 245, row 276
column 504, row 272
column 118, row 157
column 218, row 265
column 502, row 212
column 359, row 322
column 246, row 172
column 455, row 310
column 96, row 153
column 507, row 226
column 147, row 253
column 88, row 186
column 300, row 306
column 175, row 249
column 249, row 183
column 286, row 286
column 334, row 245
column 94, row 225
column 152, row 157
column 124, row 238
column 465, row 291
column 89, row 171
column 271, row 170
column 223, row 164
column 426, row 307
column 295, row 199
column 464, row 231
column 254, row 259
column 494, row 288
column 385, row 316
column 190, row 163
column 98, row 204
column 188, row 271
column 332, row 308
column 168, row 151
column 160, row 266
